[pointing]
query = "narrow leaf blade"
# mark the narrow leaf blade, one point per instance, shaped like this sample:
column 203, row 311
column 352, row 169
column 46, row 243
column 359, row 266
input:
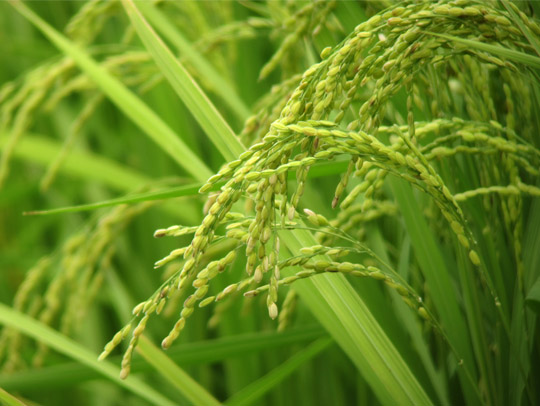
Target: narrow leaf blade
column 175, row 375
column 185, row 86
column 251, row 393
column 59, row 342
column 513, row 55
column 219, row 84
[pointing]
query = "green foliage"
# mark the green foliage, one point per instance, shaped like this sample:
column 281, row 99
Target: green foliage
column 376, row 174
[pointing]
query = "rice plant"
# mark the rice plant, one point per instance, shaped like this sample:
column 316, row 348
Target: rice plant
column 315, row 202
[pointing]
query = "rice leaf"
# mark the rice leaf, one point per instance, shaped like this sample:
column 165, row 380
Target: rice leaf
column 180, row 191
column 64, row 345
column 185, row 86
column 524, row 30
column 219, row 85
column 250, row 394
column 8, row 399
column 511, row 54
column 437, row 276
column 524, row 319
column 318, row 170
column 193, row 353
column 339, row 308
column 172, row 373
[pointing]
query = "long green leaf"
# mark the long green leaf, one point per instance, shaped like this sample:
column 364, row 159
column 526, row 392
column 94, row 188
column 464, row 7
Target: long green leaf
column 318, row 170
column 338, row 307
column 185, row 86
column 188, row 190
column 95, row 168
column 511, row 54
column 407, row 315
column 524, row 30
column 533, row 297
column 195, row 353
column 219, row 85
column 250, row 394
column 133, row 107
column 43, row 333
column 524, row 321
column 7, row 399
column 175, row 375
column 437, row 276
